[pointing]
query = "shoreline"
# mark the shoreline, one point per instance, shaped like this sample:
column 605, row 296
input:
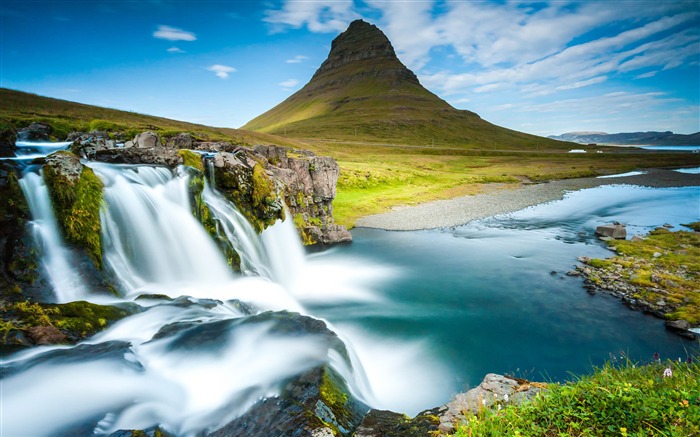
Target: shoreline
column 462, row 210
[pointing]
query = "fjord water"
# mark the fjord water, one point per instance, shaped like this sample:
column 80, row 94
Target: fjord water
column 421, row 315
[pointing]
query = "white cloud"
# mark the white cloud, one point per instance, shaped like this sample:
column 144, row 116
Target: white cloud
column 646, row 75
column 173, row 34
column 289, row 83
column 221, row 71
column 583, row 83
column 297, row 59
column 175, row 50
column 318, row 16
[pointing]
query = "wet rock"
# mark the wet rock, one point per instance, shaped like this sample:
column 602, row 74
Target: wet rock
column 182, row 140
column 668, row 226
column 133, row 155
column 35, row 132
column 42, row 335
column 616, row 231
column 493, row 390
column 309, row 405
column 681, row 327
column 65, row 165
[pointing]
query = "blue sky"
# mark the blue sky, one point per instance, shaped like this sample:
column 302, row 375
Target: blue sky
column 539, row 67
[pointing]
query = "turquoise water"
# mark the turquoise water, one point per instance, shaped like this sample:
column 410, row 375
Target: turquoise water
column 492, row 296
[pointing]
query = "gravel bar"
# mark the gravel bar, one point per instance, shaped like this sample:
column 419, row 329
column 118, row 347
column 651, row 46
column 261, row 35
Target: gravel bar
column 462, row 210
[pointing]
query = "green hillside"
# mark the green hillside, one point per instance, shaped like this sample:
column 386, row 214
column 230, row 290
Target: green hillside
column 22, row 109
column 363, row 92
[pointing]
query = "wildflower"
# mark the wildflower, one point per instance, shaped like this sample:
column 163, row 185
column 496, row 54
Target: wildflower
column 684, row 403
column 656, row 356
column 505, row 396
column 668, row 373
column 689, row 360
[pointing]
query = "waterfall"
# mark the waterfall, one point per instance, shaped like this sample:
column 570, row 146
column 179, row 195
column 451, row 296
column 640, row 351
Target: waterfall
column 151, row 239
column 28, row 150
column 56, row 259
column 190, row 362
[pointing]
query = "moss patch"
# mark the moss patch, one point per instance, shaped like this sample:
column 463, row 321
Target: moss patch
column 77, row 208
column 191, row 159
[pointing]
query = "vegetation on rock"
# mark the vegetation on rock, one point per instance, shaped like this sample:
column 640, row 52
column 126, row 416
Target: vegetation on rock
column 75, row 320
column 660, row 272
column 77, row 207
column 657, row 398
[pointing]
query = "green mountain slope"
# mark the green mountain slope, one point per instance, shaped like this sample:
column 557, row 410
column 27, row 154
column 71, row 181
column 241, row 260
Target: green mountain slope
column 22, row 109
column 363, row 92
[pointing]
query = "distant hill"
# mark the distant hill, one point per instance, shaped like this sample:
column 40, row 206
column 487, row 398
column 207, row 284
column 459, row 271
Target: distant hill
column 362, row 92
column 631, row 138
column 21, row 109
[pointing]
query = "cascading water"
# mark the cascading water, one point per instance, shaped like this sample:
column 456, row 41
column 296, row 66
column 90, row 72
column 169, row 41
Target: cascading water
column 57, row 260
column 191, row 362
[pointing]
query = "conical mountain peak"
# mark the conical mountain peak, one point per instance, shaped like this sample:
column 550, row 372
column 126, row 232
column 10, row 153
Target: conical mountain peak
column 363, row 49
column 362, row 92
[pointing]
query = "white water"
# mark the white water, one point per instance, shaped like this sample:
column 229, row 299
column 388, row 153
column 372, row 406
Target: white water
column 213, row 361
column 28, row 150
column 57, row 260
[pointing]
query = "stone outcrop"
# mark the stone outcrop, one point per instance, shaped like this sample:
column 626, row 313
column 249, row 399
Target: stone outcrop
column 309, row 189
column 35, row 132
column 615, row 230
column 494, row 390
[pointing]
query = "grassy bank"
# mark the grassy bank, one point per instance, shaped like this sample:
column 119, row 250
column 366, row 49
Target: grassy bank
column 660, row 398
column 375, row 178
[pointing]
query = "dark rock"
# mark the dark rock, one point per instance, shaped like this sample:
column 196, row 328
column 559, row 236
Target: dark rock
column 616, row 231
column 314, row 404
column 42, row 335
column 133, row 155
column 180, row 141
column 35, row 132
column 154, row 431
column 379, row 423
column 214, row 146
column 8, row 137
column 668, row 226
column 678, row 325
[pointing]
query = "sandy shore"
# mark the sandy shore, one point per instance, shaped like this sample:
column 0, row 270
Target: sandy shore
column 461, row 210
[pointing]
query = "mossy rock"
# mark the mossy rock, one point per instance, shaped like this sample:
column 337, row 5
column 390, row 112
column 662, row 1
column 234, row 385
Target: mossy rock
column 75, row 320
column 76, row 193
column 191, row 159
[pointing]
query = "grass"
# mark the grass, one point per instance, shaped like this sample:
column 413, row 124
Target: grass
column 375, row 178
column 624, row 400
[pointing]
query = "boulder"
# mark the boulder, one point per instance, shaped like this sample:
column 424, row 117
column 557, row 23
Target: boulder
column 681, row 327
column 493, row 390
column 144, row 140
column 35, row 132
column 616, row 231
column 86, row 145
column 180, row 141
column 65, row 165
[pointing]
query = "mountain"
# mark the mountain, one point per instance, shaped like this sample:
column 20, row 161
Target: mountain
column 362, row 92
column 20, row 109
column 631, row 138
